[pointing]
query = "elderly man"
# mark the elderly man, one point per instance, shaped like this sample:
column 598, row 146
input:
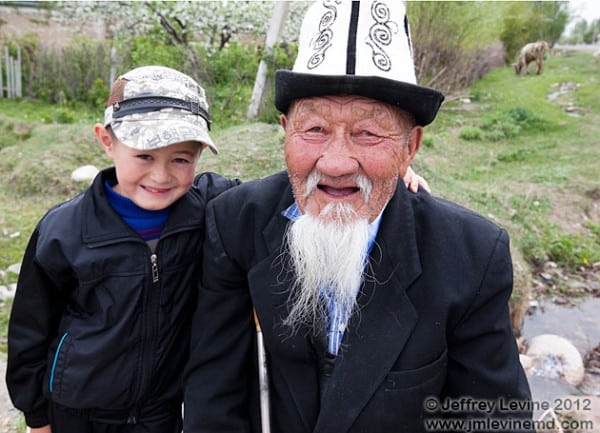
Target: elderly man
column 381, row 310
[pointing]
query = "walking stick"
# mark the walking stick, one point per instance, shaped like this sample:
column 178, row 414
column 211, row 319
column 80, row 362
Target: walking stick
column 263, row 380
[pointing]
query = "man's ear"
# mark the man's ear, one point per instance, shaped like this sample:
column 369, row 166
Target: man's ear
column 104, row 138
column 414, row 140
column 283, row 121
column 415, row 136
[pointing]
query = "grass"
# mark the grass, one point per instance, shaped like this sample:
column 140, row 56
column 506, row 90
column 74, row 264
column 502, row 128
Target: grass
column 246, row 151
column 515, row 153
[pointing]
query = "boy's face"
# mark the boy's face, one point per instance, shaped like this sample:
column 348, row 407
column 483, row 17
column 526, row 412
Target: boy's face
column 152, row 179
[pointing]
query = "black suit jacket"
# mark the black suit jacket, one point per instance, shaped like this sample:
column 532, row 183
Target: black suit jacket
column 432, row 326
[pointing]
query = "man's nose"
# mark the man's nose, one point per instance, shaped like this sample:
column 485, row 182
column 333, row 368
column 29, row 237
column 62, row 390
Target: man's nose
column 338, row 158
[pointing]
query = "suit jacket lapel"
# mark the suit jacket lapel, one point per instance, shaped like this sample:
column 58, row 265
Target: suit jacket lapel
column 376, row 335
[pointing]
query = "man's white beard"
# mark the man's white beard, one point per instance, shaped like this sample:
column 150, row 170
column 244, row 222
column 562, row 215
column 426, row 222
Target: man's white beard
column 327, row 253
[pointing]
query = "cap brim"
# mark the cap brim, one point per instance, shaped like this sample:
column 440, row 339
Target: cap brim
column 422, row 102
column 149, row 134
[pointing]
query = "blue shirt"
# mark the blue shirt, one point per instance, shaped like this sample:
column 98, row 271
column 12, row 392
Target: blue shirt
column 147, row 223
column 338, row 317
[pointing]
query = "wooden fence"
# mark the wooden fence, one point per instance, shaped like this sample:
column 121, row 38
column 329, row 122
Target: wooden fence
column 10, row 75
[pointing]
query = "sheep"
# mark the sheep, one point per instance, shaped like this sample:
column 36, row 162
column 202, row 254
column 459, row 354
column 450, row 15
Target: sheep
column 533, row 51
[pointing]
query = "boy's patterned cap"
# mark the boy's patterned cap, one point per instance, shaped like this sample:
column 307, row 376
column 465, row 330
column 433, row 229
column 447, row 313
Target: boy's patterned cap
column 154, row 106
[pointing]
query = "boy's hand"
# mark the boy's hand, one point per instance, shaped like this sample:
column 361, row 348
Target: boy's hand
column 45, row 429
column 413, row 181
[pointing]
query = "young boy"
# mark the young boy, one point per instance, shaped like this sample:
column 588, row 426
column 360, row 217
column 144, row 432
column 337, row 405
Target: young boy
column 98, row 333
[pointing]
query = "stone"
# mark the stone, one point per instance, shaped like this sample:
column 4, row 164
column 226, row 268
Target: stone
column 15, row 268
column 555, row 356
column 85, row 173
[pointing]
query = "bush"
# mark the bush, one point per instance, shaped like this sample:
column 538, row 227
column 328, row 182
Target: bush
column 471, row 133
column 98, row 94
column 232, row 72
column 456, row 42
column 64, row 115
column 428, row 142
column 142, row 51
column 510, row 124
column 565, row 249
column 549, row 20
column 64, row 76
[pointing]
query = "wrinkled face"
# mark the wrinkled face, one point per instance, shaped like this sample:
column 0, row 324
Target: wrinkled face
column 347, row 150
column 153, row 179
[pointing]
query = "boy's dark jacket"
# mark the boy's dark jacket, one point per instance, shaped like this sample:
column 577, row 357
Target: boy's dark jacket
column 99, row 321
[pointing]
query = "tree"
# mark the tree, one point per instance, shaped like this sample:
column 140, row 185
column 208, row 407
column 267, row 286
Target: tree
column 552, row 18
column 578, row 33
column 187, row 24
column 279, row 14
column 210, row 23
column 532, row 21
column 450, row 39
column 592, row 35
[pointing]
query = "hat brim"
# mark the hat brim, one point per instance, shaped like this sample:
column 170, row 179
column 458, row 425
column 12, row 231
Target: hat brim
column 149, row 134
column 422, row 102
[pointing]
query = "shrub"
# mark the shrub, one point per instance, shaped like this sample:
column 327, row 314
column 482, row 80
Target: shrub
column 98, row 94
column 64, row 76
column 428, row 141
column 518, row 155
column 471, row 133
column 64, row 115
column 142, row 51
column 510, row 123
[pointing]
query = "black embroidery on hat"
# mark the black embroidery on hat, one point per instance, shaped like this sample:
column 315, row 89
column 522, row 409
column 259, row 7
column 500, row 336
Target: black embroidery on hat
column 407, row 31
column 380, row 35
column 322, row 40
column 351, row 46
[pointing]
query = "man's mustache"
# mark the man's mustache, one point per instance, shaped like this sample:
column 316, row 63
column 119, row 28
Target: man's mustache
column 363, row 183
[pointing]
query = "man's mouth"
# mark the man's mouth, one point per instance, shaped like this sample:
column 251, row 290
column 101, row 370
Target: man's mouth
column 338, row 191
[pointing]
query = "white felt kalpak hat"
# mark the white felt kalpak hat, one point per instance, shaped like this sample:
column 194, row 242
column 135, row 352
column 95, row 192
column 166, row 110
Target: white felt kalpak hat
column 357, row 48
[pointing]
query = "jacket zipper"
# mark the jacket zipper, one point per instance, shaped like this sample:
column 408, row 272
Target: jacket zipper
column 149, row 335
column 154, row 264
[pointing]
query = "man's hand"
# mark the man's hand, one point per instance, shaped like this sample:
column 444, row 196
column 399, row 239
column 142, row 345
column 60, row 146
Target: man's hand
column 413, row 181
column 45, row 429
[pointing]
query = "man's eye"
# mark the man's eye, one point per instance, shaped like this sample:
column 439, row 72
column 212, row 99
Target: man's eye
column 366, row 138
column 145, row 157
column 181, row 161
column 313, row 134
column 366, row 134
